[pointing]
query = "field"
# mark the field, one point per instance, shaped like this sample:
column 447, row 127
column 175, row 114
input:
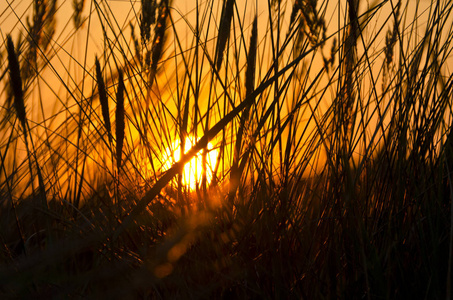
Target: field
column 233, row 149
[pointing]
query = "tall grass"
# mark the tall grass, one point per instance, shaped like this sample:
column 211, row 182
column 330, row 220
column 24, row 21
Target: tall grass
column 330, row 121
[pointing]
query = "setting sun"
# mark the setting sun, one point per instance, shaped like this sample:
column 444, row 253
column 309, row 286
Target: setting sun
column 193, row 171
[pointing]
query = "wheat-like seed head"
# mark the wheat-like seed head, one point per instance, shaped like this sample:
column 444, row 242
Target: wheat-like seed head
column 119, row 119
column 159, row 36
column 77, row 5
column 16, row 83
column 103, row 99
column 147, row 18
column 224, row 30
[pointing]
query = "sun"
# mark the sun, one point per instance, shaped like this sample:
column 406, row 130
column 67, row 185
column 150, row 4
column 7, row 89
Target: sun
column 193, row 170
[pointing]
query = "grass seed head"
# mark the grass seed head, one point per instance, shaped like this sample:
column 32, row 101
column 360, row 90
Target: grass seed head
column 159, row 36
column 103, row 98
column 119, row 119
column 41, row 29
column 147, row 18
column 224, row 30
column 77, row 5
column 251, row 58
column 16, row 83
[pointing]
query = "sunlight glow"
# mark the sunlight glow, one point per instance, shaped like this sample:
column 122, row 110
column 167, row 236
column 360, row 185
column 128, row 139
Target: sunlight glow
column 193, row 170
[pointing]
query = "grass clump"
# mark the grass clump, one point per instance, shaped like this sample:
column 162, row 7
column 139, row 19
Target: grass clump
column 330, row 124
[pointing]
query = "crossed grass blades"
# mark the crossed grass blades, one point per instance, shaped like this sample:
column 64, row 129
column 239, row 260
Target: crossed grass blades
column 333, row 134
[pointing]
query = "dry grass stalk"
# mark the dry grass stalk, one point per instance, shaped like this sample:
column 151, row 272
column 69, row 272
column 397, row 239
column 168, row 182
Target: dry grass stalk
column 19, row 106
column 251, row 60
column 236, row 172
column 119, row 119
column 345, row 113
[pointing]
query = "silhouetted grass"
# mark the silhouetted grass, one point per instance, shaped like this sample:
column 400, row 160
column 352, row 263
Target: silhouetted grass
column 330, row 121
